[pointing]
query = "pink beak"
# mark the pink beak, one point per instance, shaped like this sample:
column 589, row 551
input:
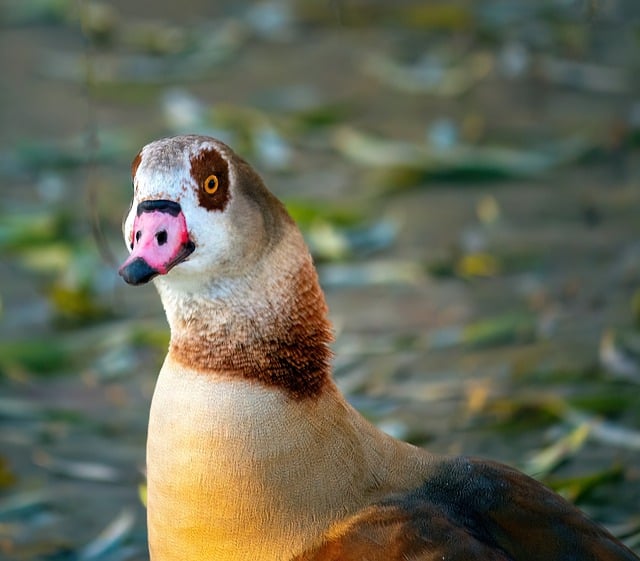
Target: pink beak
column 160, row 240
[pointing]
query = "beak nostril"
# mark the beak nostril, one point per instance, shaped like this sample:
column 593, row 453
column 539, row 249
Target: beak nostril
column 138, row 234
column 161, row 237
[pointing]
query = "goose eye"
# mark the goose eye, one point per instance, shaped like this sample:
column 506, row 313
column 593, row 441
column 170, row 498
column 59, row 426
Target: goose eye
column 210, row 184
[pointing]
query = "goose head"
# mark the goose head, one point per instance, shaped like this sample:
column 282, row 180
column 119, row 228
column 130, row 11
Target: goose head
column 200, row 214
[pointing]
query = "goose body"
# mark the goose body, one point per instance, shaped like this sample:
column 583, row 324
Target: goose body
column 252, row 452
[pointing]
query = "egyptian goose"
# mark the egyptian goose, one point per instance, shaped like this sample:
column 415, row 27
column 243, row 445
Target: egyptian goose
column 253, row 454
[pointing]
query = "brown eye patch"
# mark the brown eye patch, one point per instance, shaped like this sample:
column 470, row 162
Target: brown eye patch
column 207, row 163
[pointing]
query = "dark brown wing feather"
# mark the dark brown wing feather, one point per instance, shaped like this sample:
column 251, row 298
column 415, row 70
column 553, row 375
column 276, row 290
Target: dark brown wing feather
column 471, row 510
column 390, row 533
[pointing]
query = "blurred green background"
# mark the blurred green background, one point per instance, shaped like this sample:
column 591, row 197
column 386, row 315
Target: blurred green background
column 466, row 174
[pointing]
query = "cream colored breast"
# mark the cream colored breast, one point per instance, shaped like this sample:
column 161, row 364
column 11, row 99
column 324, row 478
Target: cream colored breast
column 238, row 472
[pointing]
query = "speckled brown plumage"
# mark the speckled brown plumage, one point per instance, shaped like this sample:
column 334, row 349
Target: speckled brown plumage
column 289, row 351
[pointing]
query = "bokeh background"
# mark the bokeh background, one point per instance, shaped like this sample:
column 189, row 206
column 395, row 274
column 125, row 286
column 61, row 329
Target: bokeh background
column 465, row 172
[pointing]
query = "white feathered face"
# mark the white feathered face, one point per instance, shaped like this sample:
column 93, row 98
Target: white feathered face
column 192, row 213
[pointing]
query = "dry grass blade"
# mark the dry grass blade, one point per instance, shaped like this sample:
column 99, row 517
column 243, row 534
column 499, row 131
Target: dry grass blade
column 605, row 431
column 89, row 471
column 110, row 538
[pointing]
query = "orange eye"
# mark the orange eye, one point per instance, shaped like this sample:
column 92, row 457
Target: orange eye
column 210, row 184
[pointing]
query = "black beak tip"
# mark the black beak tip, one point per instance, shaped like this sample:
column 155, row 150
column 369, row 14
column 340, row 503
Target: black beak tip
column 137, row 272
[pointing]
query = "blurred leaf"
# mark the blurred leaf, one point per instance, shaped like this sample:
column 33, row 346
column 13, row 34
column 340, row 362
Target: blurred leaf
column 533, row 374
column 372, row 273
column 23, row 503
column 547, row 460
column 461, row 161
column 26, row 231
column 142, row 493
column 148, row 336
column 488, row 210
column 500, row 330
column 436, row 15
column 19, row 12
column 80, row 278
column 519, row 414
column 619, row 354
column 577, row 488
column 603, row 430
column 431, row 75
column 336, row 232
column 396, row 178
column 51, row 258
column 477, row 396
column 112, row 537
column 88, row 471
column 477, row 264
column 605, row 401
column 327, row 242
column 156, row 37
column 100, row 21
column 441, row 268
column 330, row 243
column 36, row 356
column 432, row 16
column 7, row 477
column 461, row 264
column 77, row 304
column 306, row 213
column 319, row 117
column 635, row 308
